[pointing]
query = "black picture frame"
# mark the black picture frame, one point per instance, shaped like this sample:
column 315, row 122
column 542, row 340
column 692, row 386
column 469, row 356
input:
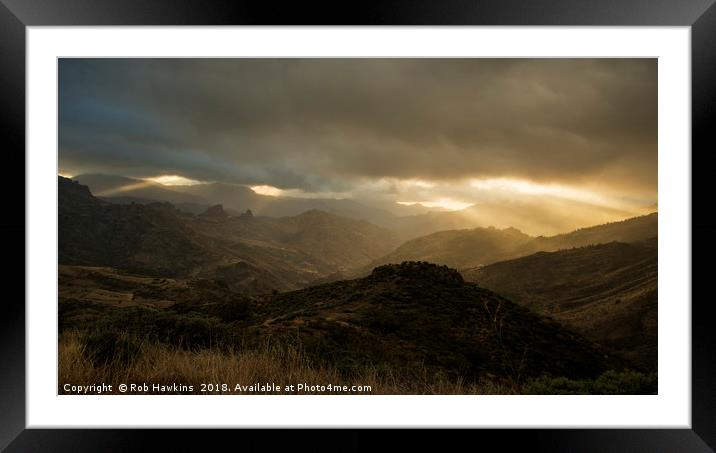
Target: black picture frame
column 16, row 15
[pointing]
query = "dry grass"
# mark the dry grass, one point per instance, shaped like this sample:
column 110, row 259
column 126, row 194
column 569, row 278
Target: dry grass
column 160, row 364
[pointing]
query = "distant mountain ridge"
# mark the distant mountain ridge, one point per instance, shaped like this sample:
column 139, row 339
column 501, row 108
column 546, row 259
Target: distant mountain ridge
column 476, row 247
column 460, row 248
column 534, row 216
column 634, row 229
column 234, row 197
column 158, row 239
column 406, row 221
column 340, row 242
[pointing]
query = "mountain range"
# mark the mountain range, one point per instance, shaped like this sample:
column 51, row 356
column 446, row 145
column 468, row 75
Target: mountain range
column 407, row 221
column 235, row 198
column 159, row 239
column 469, row 248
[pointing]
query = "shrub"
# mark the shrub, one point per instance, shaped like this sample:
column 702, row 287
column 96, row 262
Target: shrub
column 610, row 383
column 105, row 347
column 233, row 310
column 189, row 330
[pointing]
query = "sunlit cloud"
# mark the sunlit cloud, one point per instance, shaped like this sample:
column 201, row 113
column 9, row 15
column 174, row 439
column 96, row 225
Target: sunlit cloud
column 271, row 191
column 173, row 180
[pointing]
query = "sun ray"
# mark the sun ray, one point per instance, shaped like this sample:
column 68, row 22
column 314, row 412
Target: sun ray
column 173, row 180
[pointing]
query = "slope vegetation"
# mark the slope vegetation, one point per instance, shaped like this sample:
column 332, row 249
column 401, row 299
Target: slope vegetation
column 405, row 319
column 607, row 292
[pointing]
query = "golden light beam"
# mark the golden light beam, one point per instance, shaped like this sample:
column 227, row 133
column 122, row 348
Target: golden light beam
column 125, row 188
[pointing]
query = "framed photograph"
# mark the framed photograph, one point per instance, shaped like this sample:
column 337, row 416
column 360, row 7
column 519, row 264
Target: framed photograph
column 364, row 221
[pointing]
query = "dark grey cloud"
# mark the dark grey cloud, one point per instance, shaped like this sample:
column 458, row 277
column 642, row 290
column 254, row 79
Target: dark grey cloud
column 325, row 124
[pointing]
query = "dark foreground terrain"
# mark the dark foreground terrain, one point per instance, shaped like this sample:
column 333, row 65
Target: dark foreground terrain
column 409, row 328
column 605, row 292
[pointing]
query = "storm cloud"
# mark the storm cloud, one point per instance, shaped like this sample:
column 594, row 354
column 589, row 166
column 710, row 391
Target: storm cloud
column 350, row 125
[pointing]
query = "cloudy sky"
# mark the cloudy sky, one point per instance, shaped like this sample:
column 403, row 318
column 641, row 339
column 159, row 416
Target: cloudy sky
column 443, row 132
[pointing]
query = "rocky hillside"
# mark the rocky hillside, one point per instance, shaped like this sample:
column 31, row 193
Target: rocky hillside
column 340, row 242
column 607, row 292
column 635, row 229
column 257, row 253
column 413, row 313
column 142, row 238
